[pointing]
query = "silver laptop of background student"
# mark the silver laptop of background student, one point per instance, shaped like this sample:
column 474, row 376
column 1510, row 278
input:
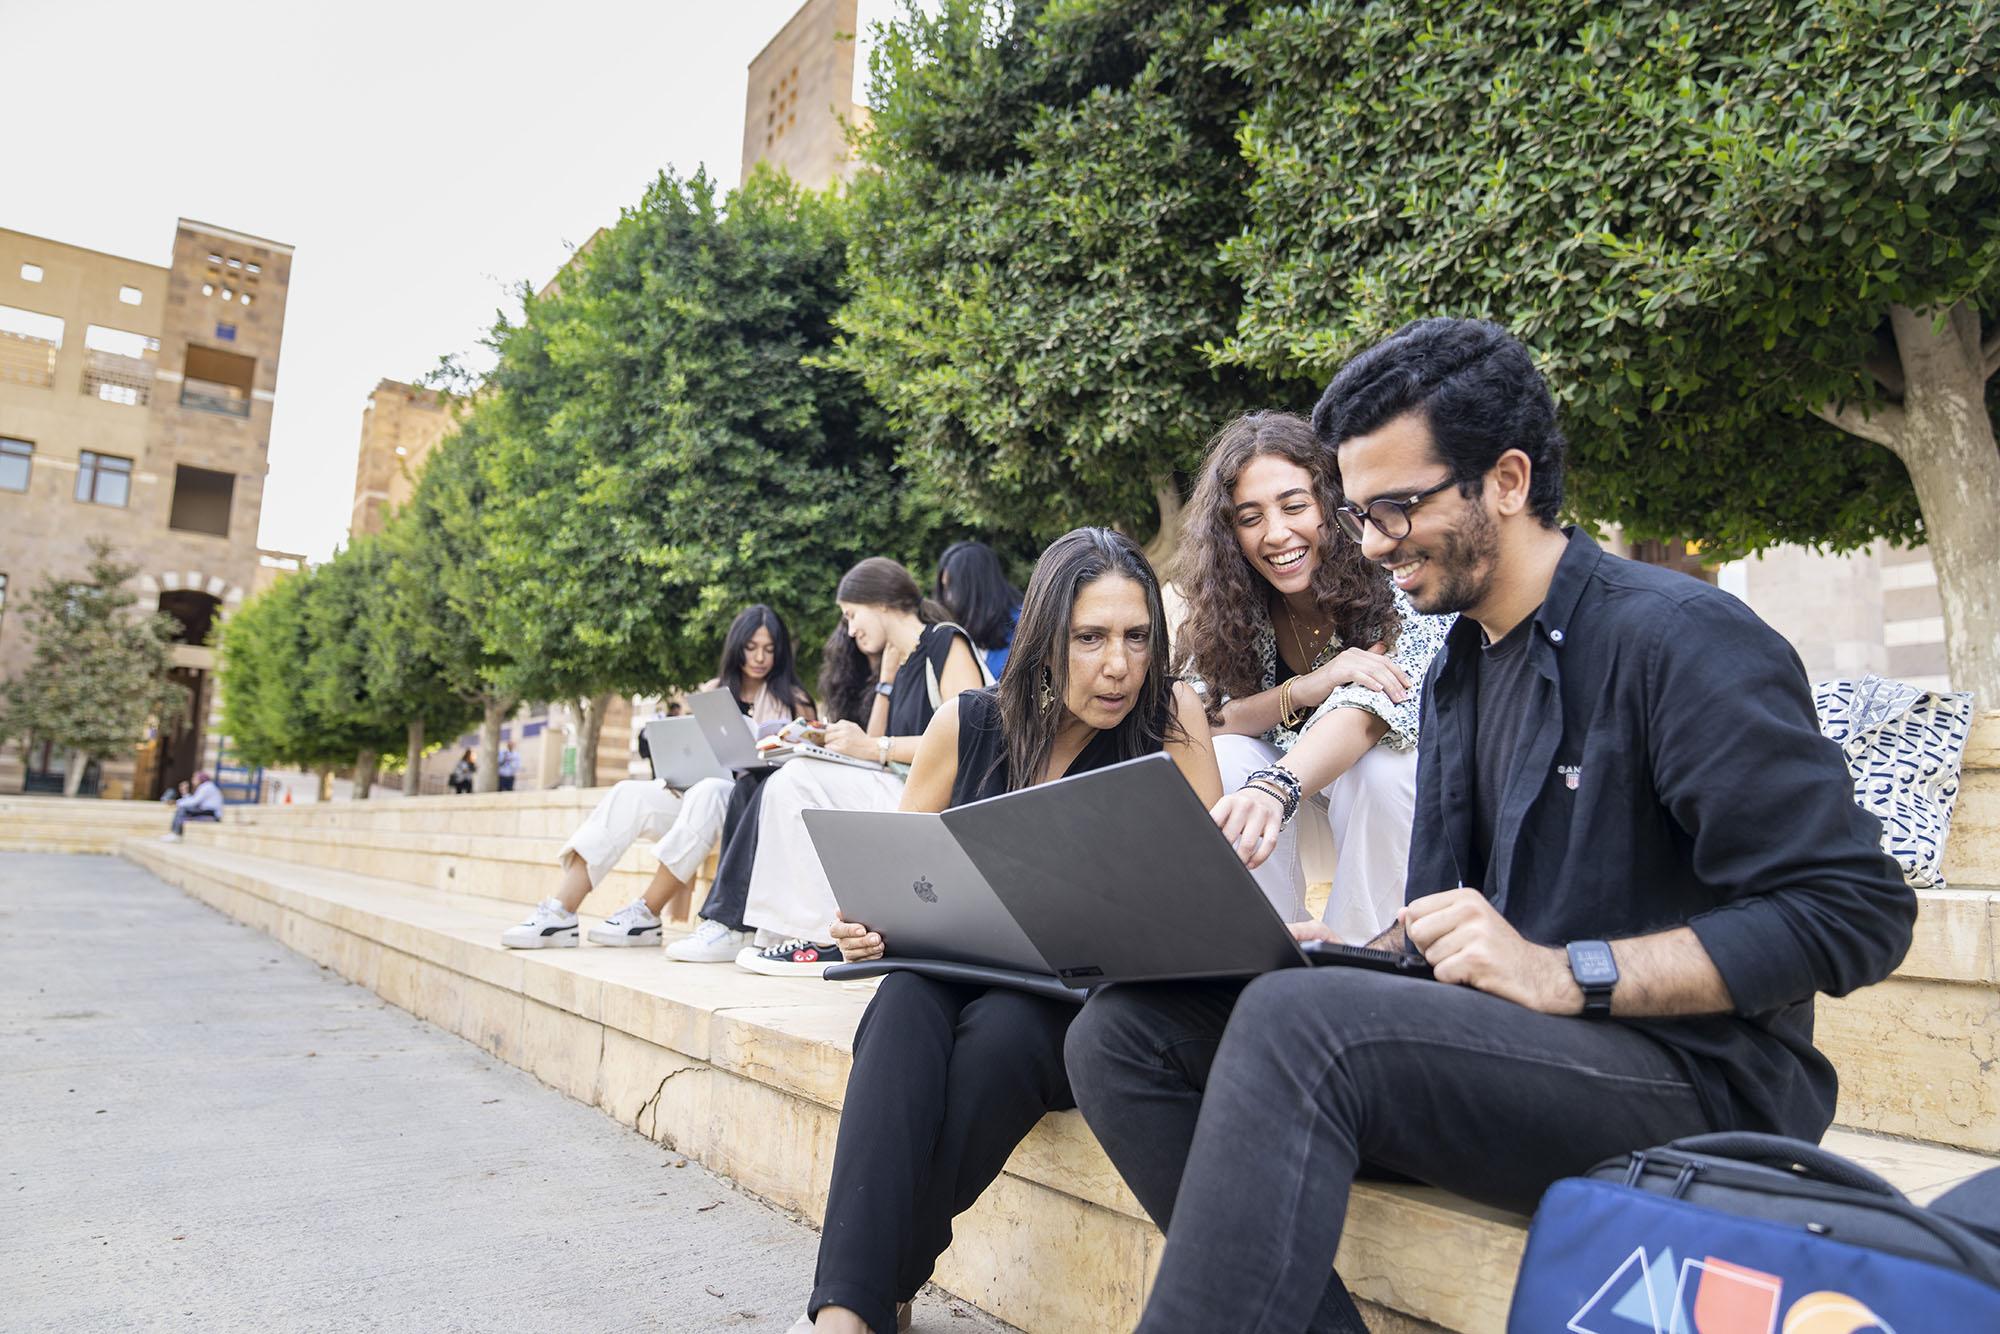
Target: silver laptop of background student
column 680, row 754
column 729, row 731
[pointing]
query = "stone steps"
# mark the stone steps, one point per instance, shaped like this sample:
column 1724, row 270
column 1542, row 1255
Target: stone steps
column 746, row 1074
column 1914, row 1050
column 86, row 824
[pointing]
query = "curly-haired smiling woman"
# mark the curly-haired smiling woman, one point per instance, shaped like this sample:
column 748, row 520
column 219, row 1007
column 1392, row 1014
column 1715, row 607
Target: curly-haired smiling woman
column 1309, row 662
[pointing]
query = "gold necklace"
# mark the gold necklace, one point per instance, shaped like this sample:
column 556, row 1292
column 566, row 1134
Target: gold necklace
column 1292, row 620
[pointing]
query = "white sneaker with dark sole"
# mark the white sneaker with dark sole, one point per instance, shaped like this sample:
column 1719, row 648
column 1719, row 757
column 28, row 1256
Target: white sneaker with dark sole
column 549, row 926
column 633, row 924
column 790, row 958
column 709, row 942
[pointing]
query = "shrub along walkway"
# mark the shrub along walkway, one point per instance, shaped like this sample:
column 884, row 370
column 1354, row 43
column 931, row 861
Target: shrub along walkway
column 208, row 1131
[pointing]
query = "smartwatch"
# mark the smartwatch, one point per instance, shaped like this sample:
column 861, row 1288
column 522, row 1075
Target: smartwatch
column 1596, row 972
column 884, row 689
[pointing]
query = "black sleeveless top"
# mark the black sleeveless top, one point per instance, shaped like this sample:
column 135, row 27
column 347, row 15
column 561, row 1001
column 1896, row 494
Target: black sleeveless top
column 910, row 699
column 982, row 749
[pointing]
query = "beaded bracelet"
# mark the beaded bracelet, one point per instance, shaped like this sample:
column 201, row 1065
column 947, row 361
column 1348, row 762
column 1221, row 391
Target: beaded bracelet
column 1275, row 779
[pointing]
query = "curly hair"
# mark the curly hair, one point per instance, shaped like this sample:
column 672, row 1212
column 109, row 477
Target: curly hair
column 1224, row 594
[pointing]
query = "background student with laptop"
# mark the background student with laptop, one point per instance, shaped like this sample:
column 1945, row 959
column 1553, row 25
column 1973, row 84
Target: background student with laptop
column 925, row 660
column 757, row 671
column 948, row 1078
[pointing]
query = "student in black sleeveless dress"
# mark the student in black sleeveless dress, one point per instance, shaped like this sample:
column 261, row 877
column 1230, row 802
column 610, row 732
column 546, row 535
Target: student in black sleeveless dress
column 948, row 1078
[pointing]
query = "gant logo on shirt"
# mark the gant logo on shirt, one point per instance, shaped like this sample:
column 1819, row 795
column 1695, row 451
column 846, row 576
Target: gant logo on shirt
column 1572, row 775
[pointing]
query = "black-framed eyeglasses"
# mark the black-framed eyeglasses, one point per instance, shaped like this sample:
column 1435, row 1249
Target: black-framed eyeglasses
column 1390, row 517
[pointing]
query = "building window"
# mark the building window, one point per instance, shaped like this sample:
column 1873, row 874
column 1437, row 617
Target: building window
column 217, row 381
column 118, row 366
column 16, row 458
column 29, row 341
column 31, row 273
column 201, row 501
column 103, row 479
column 131, row 296
column 252, row 269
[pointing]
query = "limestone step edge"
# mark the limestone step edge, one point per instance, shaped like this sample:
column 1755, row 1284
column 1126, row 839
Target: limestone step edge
column 1377, row 1254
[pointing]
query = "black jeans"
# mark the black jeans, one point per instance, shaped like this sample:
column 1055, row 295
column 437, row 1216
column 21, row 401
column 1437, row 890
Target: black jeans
column 946, row 1081
column 1240, row 1115
column 730, row 894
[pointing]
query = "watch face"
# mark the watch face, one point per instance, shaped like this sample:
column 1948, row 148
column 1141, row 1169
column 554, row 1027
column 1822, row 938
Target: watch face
column 1592, row 963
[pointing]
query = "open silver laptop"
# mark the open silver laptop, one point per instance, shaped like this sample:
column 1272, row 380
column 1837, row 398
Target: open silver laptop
column 1077, row 883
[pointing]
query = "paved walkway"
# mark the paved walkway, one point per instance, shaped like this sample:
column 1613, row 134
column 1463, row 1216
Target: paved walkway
column 206, row 1131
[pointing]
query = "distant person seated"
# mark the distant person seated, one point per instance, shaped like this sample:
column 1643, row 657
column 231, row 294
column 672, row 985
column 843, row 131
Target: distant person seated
column 179, row 790
column 925, row 660
column 1310, row 662
column 847, row 688
column 462, row 774
column 509, row 765
column 972, row 584
column 757, row 669
column 203, row 803
column 1635, row 862
column 947, row 1078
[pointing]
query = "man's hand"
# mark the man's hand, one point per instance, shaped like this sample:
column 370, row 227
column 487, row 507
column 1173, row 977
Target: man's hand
column 845, row 738
column 1251, row 819
column 857, row 943
column 1467, row 941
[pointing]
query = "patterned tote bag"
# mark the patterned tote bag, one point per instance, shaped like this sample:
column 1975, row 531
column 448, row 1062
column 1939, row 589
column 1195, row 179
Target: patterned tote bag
column 1903, row 747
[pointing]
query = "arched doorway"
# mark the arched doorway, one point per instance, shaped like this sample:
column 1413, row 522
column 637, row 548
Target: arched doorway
column 177, row 750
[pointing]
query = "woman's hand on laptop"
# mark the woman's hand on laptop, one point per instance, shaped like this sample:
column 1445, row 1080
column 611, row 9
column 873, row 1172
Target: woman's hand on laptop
column 845, row 738
column 1251, row 820
column 857, row 943
column 1312, row 930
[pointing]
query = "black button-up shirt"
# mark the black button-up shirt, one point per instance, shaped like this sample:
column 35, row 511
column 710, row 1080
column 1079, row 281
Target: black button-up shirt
column 1673, row 774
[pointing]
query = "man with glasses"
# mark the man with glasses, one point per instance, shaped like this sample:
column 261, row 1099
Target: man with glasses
column 1635, row 861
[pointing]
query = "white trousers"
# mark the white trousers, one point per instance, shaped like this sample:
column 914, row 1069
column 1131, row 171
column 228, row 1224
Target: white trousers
column 789, row 894
column 1355, row 833
column 686, row 825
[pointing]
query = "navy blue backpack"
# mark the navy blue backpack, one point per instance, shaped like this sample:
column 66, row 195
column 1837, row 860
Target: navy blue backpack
column 1757, row 1234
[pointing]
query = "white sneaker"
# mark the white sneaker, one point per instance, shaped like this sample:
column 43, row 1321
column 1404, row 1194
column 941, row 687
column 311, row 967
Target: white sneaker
column 633, row 924
column 790, row 958
column 709, row 942
column 547, row 927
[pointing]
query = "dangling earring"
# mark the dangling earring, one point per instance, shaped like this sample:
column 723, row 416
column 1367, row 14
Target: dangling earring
column 1047, row 698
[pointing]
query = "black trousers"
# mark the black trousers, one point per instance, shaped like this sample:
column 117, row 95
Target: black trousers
column 730, row 894
column 946, row 1081
column 1241, row 1115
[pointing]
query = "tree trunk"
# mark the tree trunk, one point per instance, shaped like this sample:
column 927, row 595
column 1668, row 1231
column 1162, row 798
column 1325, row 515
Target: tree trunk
column 1166, row 542
column 587, row 737
column 413, row 766
column 365, row 766
column 73, row 772
column 326, row 785
column 1944, row 436
column 486, row 777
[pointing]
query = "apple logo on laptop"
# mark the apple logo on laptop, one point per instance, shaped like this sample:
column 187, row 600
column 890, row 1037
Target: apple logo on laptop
column 924, row 890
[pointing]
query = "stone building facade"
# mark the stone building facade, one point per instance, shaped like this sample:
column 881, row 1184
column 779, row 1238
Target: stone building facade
column 399, row 428
column 802, row 95
column 135, row 406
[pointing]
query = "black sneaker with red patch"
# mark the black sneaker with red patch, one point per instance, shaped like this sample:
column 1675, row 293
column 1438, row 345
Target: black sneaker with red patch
column 791, row 958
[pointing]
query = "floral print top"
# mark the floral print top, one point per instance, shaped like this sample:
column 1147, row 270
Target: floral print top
column 1418, row 638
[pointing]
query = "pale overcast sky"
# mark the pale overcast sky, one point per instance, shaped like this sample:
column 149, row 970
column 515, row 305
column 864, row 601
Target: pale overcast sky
column 423, row 158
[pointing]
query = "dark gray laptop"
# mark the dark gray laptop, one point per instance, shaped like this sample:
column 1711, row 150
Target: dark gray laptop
column 713, row 741
column 1081, row 882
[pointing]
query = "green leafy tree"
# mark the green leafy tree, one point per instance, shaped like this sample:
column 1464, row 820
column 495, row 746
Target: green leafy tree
column 337, row 691
column 1036, row 267
column 98, row 673
column 263, row 667
column 1756, row 247
column 666, row 441
column 441, row 587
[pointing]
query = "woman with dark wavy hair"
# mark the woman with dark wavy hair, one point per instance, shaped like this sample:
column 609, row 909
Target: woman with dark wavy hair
column 756, row 668
column 1309, row 662
column 948, row 1078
